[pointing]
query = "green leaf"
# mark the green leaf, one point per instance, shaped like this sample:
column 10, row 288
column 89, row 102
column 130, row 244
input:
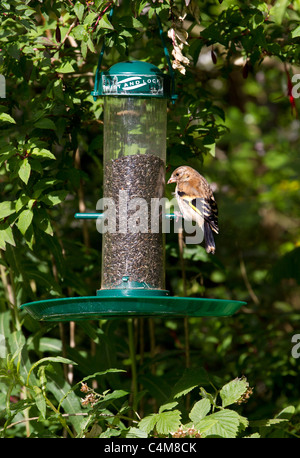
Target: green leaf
column 232, row 391
column 93, row 376
column 17, row 343
column 42, row 221
column 134, row 433
column 130, row 22
column 6, row 236
column 45, row 123
column 94, row 432
column 7, row 118
column 83, row 48
column 90, row 45
column 6, row 208
column 286, row 413
column 190, row 380
column 270, row 422
column 79, row 10
column 3, row 348
column 54, row 359
column 296, row 32
column 224, row 423
column 40, row 400
column 24, row 221
column 22, row 201
column 200, row 410
column 54, row 198
column 80, row 33
column 208, row 396
column 90, row 18
column 5, row 319
column 116, row 394
column 5, row 155
column 211, row 149
column 42, row 152
column 110, row 433
column 105, row 23
column 278, row 10
column 164, row 422
column 283, row 416
column 167, row 406
column 24, row 170
column 66, row 67
column 58, row 386
column 148, row 423
column 45, row 183
column 157, row 386
column 168, row 422
column 49, row 344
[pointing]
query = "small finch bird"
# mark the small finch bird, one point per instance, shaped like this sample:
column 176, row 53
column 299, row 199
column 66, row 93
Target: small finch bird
column 196, row 202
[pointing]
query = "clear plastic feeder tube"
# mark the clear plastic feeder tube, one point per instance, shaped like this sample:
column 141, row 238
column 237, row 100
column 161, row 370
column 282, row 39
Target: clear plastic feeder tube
column 134, row 181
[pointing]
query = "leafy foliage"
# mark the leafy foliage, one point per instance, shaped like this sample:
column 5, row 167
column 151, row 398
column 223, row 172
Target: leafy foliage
column 236, row 121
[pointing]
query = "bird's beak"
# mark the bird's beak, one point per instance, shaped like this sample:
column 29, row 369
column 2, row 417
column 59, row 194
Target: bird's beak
column 171, row 180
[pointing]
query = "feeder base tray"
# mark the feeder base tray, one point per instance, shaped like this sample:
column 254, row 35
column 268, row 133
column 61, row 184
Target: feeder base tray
column 97, row 307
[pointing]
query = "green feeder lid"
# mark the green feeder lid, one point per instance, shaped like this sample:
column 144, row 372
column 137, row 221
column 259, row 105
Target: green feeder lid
column 101, row 307
column 133, row 79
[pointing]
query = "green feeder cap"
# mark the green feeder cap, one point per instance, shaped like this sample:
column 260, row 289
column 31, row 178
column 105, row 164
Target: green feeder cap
column 133, row 79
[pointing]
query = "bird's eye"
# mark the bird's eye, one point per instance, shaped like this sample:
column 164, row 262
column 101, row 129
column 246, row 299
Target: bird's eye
column 177, row 174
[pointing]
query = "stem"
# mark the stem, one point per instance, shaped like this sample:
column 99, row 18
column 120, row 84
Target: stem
column 7, row 287
column 186, row 342
column 60, row 417
column 133, row 364
column 26, row 411
column 186, row 320
column 152, row 343
column 74, row 23
column 181, row 249
column 246, row 280
column 81, row 202
column 141, row 361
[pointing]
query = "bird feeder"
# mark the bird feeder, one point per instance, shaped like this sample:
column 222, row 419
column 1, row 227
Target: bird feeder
column 130, row 219
column 134, row 161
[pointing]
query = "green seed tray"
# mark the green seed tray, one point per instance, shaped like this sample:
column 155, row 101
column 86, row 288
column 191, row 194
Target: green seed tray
column 98, row 307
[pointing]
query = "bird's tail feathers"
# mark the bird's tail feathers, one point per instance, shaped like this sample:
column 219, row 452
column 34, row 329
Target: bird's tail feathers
column 209, row 238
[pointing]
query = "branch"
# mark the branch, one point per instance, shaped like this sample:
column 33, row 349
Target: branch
column 37, row 418
column 74, row 23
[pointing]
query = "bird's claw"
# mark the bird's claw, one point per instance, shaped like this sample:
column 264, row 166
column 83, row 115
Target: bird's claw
column 178, row 215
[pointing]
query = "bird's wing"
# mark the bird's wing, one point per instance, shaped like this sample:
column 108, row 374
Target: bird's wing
column 205, row 207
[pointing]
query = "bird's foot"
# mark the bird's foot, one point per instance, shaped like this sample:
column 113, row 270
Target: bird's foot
column 178, row 215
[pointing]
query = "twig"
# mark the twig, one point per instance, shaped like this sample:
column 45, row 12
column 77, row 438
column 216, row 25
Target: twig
column 74, row 23
column 246, row 280
column 102, row 14
column 37, row 418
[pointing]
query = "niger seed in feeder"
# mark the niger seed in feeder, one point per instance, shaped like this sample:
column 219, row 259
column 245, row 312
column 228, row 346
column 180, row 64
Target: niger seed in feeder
column 136, row 255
